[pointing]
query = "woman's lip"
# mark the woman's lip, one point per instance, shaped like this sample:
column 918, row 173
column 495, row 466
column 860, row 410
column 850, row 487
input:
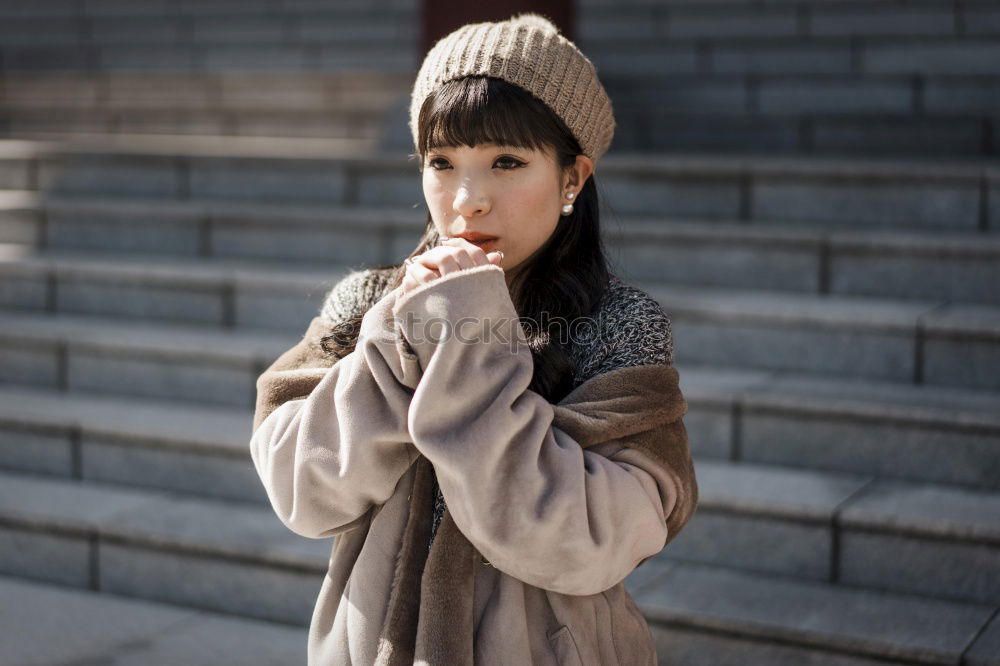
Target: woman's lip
column 487, row 244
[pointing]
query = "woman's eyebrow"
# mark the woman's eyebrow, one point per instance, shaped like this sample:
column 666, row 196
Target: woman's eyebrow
column 498, row 148
column 497, row 145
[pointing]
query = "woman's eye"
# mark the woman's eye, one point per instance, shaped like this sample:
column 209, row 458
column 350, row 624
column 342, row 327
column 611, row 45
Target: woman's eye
column 509, row 161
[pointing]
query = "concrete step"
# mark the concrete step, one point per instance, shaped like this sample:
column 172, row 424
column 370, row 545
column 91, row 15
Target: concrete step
column 963, row 133
column 841, row 115
column 362, row 127
column 865, row 427
column 905, row 264
column 709, row 616
column 819, row 99
column 877, row 78
column 919, row 538
column 955, row 195
column 811, row 258
column 390, row 24
column 967, row 55
column 933, row 342
column 101, row 9
column 224, row 292
column 241, row 560
column 223, row 91
column 118, row 440
column 207, row 35
column 680, row 20
column 159, row 546
column 173, row 362
column 933, row 539
column 106, row 628
column 909, row 342
column 210, row 58
column 284, row 234
column 906, row 342
column 599, row 25
column 835, row 424
column 357, row 108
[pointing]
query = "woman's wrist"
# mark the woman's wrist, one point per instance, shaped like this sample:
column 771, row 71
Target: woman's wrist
column 467, row 307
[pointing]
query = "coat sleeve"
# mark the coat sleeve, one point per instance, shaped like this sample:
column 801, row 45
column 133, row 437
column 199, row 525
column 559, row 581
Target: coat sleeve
column 537, row 504
column 330, row 444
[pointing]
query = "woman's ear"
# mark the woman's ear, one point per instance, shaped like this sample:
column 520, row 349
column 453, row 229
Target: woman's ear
column 579, row 172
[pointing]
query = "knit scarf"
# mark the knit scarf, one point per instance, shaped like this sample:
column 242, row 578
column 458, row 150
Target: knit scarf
column 430, row 613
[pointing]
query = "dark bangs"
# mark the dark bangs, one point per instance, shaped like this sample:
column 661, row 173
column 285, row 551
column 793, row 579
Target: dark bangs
column 480, row 109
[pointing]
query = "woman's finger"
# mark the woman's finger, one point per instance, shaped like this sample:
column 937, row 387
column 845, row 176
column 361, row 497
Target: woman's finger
column 449, row 263
column 445, row 256
column 407, row 284
column 415, row 275
column 476, row 255
column 444, row 260
column 420, row 272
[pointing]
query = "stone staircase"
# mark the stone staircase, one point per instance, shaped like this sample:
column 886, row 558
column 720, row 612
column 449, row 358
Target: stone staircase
column 840, row 77
column 135, row 632
column 355, row 107
column 207, row 35
column 836, row 318
column 864, row 77
column 839, row 359
column 305, row 68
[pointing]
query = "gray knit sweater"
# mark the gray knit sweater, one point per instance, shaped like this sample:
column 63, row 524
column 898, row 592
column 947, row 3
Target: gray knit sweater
column 628, row 328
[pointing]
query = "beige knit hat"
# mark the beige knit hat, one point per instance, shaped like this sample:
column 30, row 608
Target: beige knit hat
column 526, row 50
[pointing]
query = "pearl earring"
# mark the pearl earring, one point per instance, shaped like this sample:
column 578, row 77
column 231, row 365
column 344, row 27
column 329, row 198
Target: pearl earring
column 568, row 208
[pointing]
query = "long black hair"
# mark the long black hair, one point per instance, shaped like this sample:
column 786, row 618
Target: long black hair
column 566, row 278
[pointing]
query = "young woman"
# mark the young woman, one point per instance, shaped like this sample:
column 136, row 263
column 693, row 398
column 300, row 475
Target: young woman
column 492, row 429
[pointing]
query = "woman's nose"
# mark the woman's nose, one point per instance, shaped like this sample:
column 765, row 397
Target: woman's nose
column 468, row 203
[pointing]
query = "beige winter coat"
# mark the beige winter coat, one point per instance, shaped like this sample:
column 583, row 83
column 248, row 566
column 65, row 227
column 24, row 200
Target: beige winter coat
column 549, row 507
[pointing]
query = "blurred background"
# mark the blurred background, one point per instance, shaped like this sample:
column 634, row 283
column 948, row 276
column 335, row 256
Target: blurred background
column 809, row 187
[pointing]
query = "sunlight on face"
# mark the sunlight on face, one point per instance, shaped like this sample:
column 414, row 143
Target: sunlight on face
column 502, row 191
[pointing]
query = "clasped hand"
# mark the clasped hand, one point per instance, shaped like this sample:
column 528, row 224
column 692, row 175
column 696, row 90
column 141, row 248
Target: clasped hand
column 453, row 254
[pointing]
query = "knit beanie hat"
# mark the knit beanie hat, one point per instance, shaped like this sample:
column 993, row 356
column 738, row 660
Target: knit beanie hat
column 526, row 50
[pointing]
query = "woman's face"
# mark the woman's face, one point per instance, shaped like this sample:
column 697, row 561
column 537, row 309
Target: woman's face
column 513, row 194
